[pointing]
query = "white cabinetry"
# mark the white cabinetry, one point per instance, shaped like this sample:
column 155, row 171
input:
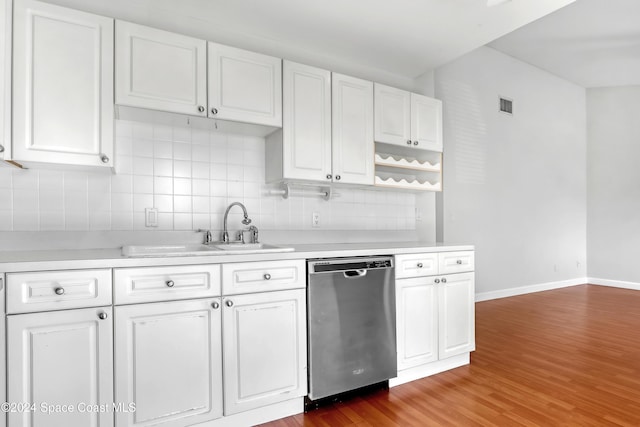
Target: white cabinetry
column 62, row 86
column 61, row 358
column 244, row 86
column 352, row 130
column 435, row 313
column 169, row 362
column 5, row 80
column 3, row 354
column 327, row 132
column 160, row 70
column 302, row 149
column 407, row 119
column 264, row 343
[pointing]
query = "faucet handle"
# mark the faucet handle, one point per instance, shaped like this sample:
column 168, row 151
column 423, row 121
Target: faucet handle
column 207, row 236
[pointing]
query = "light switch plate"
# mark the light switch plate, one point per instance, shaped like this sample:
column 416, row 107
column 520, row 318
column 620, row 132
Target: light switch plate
column 151, row 217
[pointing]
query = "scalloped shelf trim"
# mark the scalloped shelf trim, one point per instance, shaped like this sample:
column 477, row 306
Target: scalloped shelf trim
column 403, row 183
column 390, row 160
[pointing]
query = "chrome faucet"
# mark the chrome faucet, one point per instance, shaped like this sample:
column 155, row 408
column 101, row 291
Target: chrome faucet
column 245, row 221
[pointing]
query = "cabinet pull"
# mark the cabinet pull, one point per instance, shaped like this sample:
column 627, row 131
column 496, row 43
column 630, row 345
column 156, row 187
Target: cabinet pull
column 444, row 280
column 59, row 291
column 229, row 303
column 1, row 148
column 214, row 111
column 437, row 280
column 419, row 265
column 338, row 177
column 267, row 276
column 408, row 142
column 170, row 283
column 215, row 305
column 415, row 142
column 459, row 262
column 200, row 108
column 328, row 176
column 104, row 158
column 102, row 315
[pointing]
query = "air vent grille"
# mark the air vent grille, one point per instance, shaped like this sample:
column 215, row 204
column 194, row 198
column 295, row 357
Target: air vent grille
column 506, row 105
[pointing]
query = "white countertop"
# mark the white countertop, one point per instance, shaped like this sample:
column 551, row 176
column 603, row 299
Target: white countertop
column 15, row 261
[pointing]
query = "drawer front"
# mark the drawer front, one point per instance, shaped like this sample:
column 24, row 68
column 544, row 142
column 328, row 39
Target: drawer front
column 149, row 284
column 248, row 277
column 57, row 290
column 455, row 262
column 416, row 265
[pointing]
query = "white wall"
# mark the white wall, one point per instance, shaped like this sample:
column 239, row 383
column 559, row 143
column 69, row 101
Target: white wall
column 613, row 212
column 191, row 175
column 514, row 186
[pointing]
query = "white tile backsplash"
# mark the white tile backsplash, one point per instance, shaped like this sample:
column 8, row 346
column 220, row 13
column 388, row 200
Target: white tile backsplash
column 190, row 176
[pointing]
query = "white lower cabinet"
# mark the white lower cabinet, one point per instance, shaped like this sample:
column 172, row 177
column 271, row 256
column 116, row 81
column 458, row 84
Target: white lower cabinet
column 265, row 344
column 62, row 364
column 168, row 362
column 435, row 313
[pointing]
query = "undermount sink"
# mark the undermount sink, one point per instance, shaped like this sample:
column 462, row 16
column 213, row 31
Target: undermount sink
column 201, row 249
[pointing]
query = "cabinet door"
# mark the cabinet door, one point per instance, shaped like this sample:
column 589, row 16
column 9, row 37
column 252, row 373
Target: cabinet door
column 62, row 85
column 392, row 115
column 456, row 320
column 244, row 86
column 168, row 362
column 61, row 358
column 352, row 130
column 417, row 321
column 5, row 81
column 426, row 122
column 265, row 346
column 160, row 70
column 306, row 137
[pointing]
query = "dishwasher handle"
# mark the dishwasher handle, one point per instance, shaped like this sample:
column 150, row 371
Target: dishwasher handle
column 353, row 274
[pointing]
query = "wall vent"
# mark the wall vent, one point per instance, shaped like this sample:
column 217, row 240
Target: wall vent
column 506, row 105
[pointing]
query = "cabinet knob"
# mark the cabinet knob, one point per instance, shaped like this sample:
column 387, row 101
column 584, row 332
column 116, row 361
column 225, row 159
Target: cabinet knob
column 408, row 142
column 229, row 303
column 104, row 158
column 444, row 280
column 338, row 177
column 102, row 315
column 329, row 176
column 215, row 305
column 201, row 108
column 214, row 111
column 1, row 148
column 170, row 283
column 459, row 262
column 267, row 276
column 419, row 265
column 437, row 280
column 415, row 142
column 59, row 291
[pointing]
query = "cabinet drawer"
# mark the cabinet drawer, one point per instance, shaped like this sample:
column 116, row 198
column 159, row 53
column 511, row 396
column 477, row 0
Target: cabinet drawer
column 455, row 262
column 148, row 284
column 247, row 277
column 416, row 265
column 57, row 290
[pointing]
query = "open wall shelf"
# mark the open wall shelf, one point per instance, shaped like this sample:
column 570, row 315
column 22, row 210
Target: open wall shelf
column 406, row 168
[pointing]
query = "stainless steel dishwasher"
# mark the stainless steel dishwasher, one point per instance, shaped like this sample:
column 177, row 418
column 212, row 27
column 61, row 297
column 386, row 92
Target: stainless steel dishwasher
column 352, row 324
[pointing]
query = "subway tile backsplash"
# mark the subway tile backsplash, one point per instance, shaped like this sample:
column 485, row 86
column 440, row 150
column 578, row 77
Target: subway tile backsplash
column 190, row 175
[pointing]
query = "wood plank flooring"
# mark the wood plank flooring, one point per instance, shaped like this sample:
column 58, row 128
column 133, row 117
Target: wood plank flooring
column 567, row 357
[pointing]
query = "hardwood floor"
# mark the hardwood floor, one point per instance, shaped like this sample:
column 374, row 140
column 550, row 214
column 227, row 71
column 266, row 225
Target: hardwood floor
column 567, row 357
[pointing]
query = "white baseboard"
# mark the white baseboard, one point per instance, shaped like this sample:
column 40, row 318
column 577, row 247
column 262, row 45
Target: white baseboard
column 614, row 283
column 422, row 371
column 503, row 293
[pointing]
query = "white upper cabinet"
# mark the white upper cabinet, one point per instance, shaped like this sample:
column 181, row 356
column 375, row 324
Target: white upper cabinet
column 426, row 122
column 352, row 130
column 5, row 79
column 244, row 86
column 306, row 136
column 160, row 70
column 392, row 115
column 408, row 119
column 62, row 85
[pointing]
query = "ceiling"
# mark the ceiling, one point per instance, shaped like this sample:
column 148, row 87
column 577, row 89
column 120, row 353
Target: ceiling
column 402, row 37
column 593, row 43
